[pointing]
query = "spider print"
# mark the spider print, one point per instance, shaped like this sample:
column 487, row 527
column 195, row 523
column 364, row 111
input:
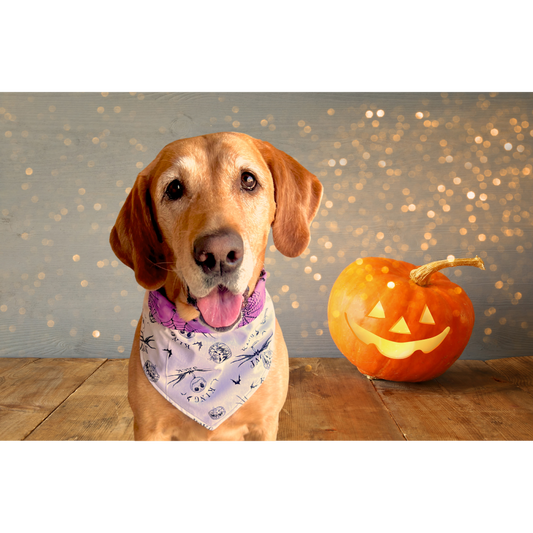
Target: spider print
column 252, row 308
column 165, row 314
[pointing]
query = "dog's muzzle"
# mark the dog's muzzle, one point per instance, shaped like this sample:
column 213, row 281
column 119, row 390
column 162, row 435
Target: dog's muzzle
column 219, row 255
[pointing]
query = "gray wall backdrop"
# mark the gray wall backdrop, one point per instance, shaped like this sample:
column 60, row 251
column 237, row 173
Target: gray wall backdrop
column 411, row 176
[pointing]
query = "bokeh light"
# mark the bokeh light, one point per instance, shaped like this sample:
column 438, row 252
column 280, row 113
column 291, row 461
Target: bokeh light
column 413, row 177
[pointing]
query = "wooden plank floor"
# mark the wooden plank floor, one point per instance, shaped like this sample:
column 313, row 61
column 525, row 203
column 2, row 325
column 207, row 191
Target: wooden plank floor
column 86, row 399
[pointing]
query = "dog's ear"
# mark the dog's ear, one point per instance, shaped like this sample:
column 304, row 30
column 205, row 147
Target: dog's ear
column 297, row 193
column 136, row 238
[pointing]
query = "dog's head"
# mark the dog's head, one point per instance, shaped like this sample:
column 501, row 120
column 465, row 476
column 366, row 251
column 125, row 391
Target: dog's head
column 198, row 217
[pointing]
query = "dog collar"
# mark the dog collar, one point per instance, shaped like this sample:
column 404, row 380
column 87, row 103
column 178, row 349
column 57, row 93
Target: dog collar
column 207, row 375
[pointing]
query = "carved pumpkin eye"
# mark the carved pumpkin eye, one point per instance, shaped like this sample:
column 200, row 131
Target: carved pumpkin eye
column 427, row 317
column 401, row 326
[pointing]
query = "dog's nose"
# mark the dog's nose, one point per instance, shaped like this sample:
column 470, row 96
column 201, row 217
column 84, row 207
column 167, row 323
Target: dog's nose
column 219, row 253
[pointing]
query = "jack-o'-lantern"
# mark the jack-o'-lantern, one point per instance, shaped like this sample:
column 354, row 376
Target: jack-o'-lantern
column 397, row 322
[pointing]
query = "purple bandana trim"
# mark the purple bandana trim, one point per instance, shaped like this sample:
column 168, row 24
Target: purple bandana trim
column 164, row 312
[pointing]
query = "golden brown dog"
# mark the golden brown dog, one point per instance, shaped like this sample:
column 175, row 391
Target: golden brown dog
column 197, row 219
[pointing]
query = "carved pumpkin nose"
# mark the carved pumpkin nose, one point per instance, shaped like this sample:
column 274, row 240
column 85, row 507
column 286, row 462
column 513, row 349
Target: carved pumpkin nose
column 401, row 327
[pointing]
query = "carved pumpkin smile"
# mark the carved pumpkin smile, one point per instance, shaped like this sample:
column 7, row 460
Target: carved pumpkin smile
column 396, row 350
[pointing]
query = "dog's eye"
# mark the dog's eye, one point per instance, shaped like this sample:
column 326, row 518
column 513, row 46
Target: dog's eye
column 174, row 190
column 248, row 181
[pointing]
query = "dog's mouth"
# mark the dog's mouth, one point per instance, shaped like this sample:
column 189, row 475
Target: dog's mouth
column 220, row 310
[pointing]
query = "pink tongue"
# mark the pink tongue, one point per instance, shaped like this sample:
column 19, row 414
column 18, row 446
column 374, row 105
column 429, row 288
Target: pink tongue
column 220, row 308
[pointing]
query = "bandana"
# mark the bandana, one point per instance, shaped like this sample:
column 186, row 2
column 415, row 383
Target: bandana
column 205, row 374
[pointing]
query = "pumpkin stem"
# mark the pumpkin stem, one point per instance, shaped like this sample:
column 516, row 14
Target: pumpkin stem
column 422, row 274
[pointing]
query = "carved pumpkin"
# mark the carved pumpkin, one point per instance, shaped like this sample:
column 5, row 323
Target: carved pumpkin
column 397, row 322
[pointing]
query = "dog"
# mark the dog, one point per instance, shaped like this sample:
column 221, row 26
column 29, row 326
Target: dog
column 194, row 229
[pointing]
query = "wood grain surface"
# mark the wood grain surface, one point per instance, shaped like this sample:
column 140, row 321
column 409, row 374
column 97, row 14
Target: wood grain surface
column 328, row 400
